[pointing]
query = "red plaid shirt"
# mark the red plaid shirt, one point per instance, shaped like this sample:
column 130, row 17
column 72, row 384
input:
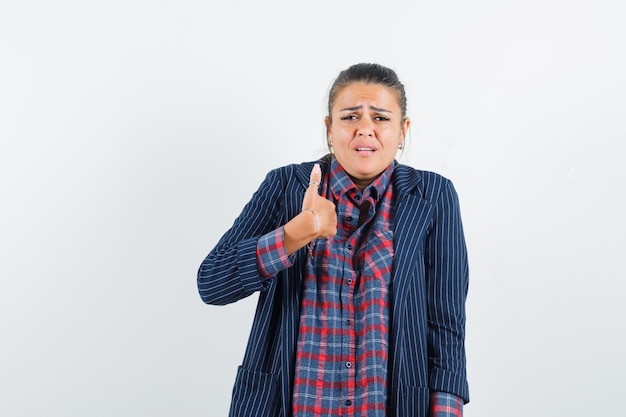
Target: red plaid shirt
column 341, row 362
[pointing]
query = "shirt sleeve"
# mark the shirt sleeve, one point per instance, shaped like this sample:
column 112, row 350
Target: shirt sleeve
column 271, row 254
column 443, row 404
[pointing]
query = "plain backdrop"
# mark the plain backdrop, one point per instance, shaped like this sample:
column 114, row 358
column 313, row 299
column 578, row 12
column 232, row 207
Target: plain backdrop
column 133, row 132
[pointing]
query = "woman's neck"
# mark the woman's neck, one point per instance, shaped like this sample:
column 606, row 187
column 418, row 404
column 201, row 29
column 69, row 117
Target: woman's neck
column 362, row 184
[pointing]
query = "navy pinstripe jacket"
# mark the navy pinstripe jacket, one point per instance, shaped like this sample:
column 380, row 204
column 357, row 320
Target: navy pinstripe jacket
column 429, row 288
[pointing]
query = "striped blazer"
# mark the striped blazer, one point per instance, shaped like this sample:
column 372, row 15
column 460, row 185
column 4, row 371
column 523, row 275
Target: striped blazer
column 429, row 287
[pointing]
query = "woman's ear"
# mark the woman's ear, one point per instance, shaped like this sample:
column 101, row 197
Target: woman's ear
column 406, row 123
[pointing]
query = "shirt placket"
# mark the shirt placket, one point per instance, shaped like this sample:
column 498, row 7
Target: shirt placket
column 348, row 283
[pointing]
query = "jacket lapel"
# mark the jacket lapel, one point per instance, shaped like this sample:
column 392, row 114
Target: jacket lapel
column 413, row 215
column 412, row 220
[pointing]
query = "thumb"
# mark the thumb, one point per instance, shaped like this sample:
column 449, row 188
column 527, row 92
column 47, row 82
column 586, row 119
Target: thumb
column 316, row 176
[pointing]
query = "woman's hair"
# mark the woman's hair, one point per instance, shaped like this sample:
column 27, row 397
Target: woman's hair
column 369, row 74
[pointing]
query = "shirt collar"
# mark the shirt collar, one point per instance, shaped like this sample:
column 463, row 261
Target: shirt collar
column 341, row 183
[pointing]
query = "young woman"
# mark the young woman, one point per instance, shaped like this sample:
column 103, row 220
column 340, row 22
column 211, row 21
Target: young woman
column 362, row 271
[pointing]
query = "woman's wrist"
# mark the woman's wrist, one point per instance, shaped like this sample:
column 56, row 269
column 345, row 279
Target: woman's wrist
column 317, row 225
column 299, row 231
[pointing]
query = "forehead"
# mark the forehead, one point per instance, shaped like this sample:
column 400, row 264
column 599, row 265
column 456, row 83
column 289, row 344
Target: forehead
column 360, row 93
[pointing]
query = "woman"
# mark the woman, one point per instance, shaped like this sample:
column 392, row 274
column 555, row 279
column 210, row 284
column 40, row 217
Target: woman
column 361, row 267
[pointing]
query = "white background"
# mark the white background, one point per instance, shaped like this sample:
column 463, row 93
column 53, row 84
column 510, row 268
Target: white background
column 132, row 133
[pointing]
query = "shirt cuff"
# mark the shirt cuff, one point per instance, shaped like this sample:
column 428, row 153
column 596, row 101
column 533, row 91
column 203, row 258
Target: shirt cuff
column 443, row 404
column 271, row 254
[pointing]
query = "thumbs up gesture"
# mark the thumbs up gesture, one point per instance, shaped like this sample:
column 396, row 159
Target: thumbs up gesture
column 318, row 218
column 323, row 210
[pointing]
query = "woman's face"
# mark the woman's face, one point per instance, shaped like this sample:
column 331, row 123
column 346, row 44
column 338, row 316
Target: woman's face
column 366, row 130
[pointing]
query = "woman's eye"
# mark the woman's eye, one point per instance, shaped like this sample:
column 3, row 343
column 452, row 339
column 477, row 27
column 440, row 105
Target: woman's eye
column 382, row 118
column 348, row 117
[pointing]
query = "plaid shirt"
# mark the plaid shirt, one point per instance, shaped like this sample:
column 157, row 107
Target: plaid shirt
column 341, row 363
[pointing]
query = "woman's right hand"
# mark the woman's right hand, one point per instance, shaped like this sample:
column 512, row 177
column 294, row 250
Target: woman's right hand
column 318, row 218
column 319, row 208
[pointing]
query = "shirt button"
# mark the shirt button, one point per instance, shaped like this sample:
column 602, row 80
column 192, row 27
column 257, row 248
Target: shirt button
column 349, row 247
column 348, row 403
column 348, row 322
column 357, row 197
column 349, row 218
column 349, row 281
column 348, row 365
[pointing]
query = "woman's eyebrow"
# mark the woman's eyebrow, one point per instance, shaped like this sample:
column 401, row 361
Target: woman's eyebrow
column 359, row 107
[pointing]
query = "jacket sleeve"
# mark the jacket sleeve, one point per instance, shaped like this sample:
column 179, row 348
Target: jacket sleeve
column 447, row 285
column 229, row 272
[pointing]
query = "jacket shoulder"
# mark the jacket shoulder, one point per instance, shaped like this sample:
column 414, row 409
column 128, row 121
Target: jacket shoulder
column 299, row 171
column 427, row 184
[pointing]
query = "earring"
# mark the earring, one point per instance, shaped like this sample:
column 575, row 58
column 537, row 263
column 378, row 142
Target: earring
column 401, row 146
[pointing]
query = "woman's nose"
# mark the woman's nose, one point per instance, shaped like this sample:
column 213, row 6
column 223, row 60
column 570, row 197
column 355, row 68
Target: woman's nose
column 366, row 127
